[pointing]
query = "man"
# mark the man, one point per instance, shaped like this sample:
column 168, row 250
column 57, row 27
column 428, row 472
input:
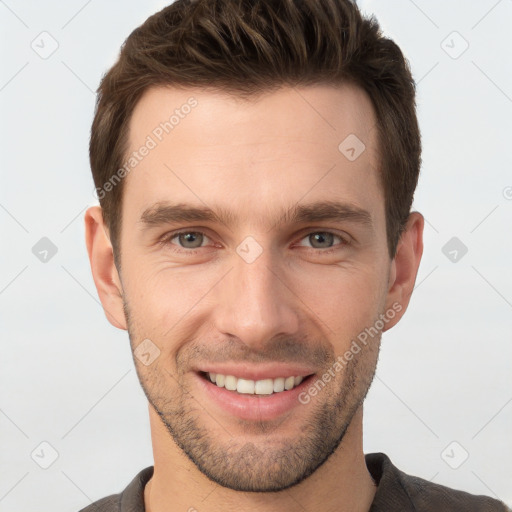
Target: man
column 255, row 163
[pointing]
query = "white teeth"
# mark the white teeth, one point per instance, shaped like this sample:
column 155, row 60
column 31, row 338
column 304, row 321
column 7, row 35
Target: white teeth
column 264, row 387
column 279, row 385
column 219, row 380
column 258, row 387
column 230, row 383
column 245, row 386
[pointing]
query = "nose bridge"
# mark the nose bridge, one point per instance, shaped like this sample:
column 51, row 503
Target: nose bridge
column 254, row 303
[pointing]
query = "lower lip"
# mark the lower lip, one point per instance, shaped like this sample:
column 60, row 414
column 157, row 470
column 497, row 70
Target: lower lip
column 253, row 407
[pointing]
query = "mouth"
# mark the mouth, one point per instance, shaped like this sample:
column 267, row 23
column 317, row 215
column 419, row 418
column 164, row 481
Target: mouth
column 253, row 400
column 262, row 387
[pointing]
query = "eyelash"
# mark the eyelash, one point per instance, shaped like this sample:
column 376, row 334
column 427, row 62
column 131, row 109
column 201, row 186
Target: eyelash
column 166, row 240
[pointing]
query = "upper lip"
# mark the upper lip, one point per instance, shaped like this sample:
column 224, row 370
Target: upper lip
column 257, row 372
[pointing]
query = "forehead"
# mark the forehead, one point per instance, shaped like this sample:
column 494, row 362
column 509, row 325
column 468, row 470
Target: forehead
column 255, row 154
column 313, row 113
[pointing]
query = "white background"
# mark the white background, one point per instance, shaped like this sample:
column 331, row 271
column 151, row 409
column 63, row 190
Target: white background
column 67, row 376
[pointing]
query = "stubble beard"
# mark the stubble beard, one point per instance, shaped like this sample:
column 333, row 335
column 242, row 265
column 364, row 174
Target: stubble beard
column 271, row 462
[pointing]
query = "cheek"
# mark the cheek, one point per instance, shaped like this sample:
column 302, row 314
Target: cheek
column 345, row 298
column 162, row 298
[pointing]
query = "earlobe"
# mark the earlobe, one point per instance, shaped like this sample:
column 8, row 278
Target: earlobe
column 404, row 267
column 104, row 271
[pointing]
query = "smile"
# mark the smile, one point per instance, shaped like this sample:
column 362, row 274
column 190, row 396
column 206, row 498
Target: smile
column 273, row 390
column 254, row 387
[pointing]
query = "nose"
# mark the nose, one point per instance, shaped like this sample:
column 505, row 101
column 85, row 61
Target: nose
column 255, row 302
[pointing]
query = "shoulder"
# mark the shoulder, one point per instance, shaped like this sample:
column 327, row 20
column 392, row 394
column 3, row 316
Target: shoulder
column 396, row 488
column 109, row 504
column 130, row 500
column 425, row 494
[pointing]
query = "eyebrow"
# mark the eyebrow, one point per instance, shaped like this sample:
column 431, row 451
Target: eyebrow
column 167, row 213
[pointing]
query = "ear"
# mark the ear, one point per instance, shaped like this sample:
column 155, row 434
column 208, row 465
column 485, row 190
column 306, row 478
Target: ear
column 404, row 267
column 104, row 271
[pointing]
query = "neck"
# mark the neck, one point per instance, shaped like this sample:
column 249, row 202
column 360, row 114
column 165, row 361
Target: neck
column 341, row 484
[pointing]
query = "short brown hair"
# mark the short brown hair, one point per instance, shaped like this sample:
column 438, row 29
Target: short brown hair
column 246, row 47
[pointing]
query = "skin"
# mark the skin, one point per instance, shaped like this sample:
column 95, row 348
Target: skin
column 295, row 302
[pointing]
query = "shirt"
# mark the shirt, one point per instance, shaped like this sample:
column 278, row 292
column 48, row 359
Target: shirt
column 396, row 491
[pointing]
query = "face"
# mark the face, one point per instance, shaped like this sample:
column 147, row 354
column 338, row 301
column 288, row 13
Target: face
column 253, row 250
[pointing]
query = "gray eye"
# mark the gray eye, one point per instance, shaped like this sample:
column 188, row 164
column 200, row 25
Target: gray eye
column 190, row 240
column 321, row 240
